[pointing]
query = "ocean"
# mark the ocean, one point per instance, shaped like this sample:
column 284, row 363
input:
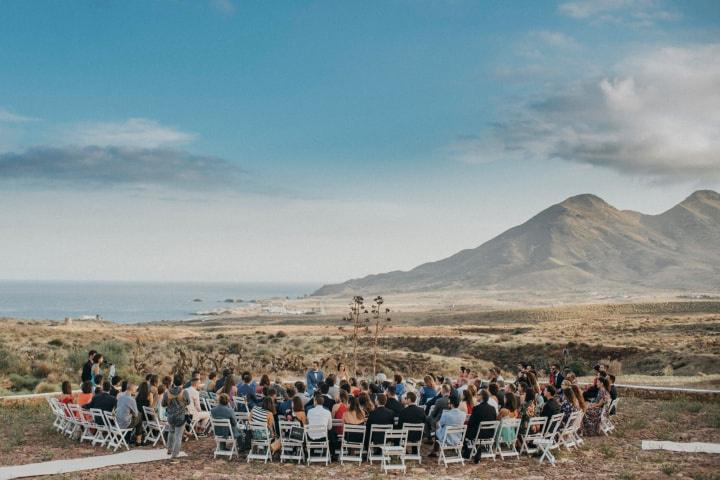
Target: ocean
column 132, row 302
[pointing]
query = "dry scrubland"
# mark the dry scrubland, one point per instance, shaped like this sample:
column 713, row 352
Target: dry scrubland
column 674, row 343
column 666, row 343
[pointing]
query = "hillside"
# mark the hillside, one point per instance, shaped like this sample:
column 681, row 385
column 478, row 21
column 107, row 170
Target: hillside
column 581, row 243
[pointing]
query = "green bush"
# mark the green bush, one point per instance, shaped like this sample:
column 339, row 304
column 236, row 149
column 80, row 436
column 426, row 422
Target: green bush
column 578, row 367
column 23, row 382
column 46, row 387
column 9, row 362
column 56, row 342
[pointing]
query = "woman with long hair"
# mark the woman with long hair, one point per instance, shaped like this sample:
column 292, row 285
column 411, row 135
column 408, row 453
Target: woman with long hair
column 229, row 389
column 342, row 373
column 366, row 403
column 298, row 411
column 594, row 412
column 569, row 404
column 579, row 397
column 67, row 396
column 354, row 415
column 339, row 409
column 96, row 370
column 264, row 383
column 428, row 391
column 468, row 401
column 264, row 414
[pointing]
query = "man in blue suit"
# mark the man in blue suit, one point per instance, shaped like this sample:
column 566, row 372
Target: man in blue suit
column 313, row 378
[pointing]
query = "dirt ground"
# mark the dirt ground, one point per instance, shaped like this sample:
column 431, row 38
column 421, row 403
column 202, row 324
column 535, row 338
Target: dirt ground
column 27, row 437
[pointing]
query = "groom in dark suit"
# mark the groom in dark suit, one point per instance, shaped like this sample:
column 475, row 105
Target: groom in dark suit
column 314, row 378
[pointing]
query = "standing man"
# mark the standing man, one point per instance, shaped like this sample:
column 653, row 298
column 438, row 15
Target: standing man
column 313, row 378
column 86, row 375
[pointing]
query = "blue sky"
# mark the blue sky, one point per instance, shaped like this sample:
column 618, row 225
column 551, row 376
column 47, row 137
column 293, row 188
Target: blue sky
column 228, row 140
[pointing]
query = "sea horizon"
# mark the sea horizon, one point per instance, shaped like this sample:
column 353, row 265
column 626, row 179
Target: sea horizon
column 122, row 301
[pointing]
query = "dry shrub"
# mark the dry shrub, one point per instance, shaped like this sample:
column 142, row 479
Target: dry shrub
column 614, row 366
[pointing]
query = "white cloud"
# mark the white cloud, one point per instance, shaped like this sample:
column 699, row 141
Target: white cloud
column 134, row 132
column 657, row 115
column 556, row 39
column 627, row 12
column 6, row 116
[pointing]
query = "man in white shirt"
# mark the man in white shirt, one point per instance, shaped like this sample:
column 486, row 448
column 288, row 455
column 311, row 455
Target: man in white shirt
column 202, row 417
column 319, row 415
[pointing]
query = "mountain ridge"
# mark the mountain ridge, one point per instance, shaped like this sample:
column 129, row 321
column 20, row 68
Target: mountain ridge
column 580, row 242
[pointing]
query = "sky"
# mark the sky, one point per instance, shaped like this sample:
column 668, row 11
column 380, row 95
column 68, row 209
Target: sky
column 316, row 141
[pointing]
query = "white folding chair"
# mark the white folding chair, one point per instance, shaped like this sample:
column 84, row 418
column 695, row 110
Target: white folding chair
column 450, row 445
column 376, row 441
column 353, row 444
column 413, row 441
column 117, row 434
column 153, row 426
column 102, row 430
column 606, row 425
column 76, row 418
column 568, row 435
column 225, row 443
column 507, row 438
column 550, row 441
column 317, row 444
column 58, row 423
column 292, row 435
column 88, row 425
column 484, row 440
column 259, row 443
column 394, row 448
column 241, row 404
column 534, row 430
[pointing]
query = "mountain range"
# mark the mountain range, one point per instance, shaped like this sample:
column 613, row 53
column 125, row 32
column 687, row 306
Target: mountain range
column 580, row 243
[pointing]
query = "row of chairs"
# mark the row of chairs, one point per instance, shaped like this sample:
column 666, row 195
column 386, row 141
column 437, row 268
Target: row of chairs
column 392, row 448
column 100, row 427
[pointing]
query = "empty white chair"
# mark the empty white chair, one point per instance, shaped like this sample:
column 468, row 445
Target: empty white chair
column 102, row 431
column 259, row 443
column 292, row 435
column 153, row 426
column 88, row 425
column 353, row 444
column 485, row 439
column 317, row 444
column 450, row 445
column 507, row 437
column 534, row 430
column 413, row 441
column 549, row 442
column 568, row 435
column 225, row 443
column 394, row 448
column 376, row 441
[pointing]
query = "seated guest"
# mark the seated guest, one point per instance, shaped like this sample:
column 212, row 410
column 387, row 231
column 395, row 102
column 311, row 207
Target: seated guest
column 298, row 410
column 366, row 403
column 161, row 410
column 526, row 402
column 229, row 389
column 115, row 389
column 468, row 401
column 210, row 382
column 354, row 389
column 339, row 409
column 392, row 402
column 285, row 407
column 195, row 408
column 319, row 415
column 569, row 404
column 381, row 415
column 412, row 413
column 142, row 398
column 593, row 414
column 441, row 404
column 329, row 402
column 333, row 388
column 399, row 385
column 494, row 399
column 223, row 411
column 102, row 400
column 300, row 392
column 127, row 413
column 86, row 393
column 451, row 417
column 551, row 406
column 482, row 412
column 264, row 414
column 354, row 415
column 613, row 390
column 428, row 391
column 264, row 383
column 247, row 390
column 66, row 396
column 221, row 381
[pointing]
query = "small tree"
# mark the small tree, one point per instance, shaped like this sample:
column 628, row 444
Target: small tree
column 358, row 318
column 380, row 322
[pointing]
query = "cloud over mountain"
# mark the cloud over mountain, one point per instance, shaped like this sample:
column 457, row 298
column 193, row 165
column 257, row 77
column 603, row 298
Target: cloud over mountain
column 657, row 114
